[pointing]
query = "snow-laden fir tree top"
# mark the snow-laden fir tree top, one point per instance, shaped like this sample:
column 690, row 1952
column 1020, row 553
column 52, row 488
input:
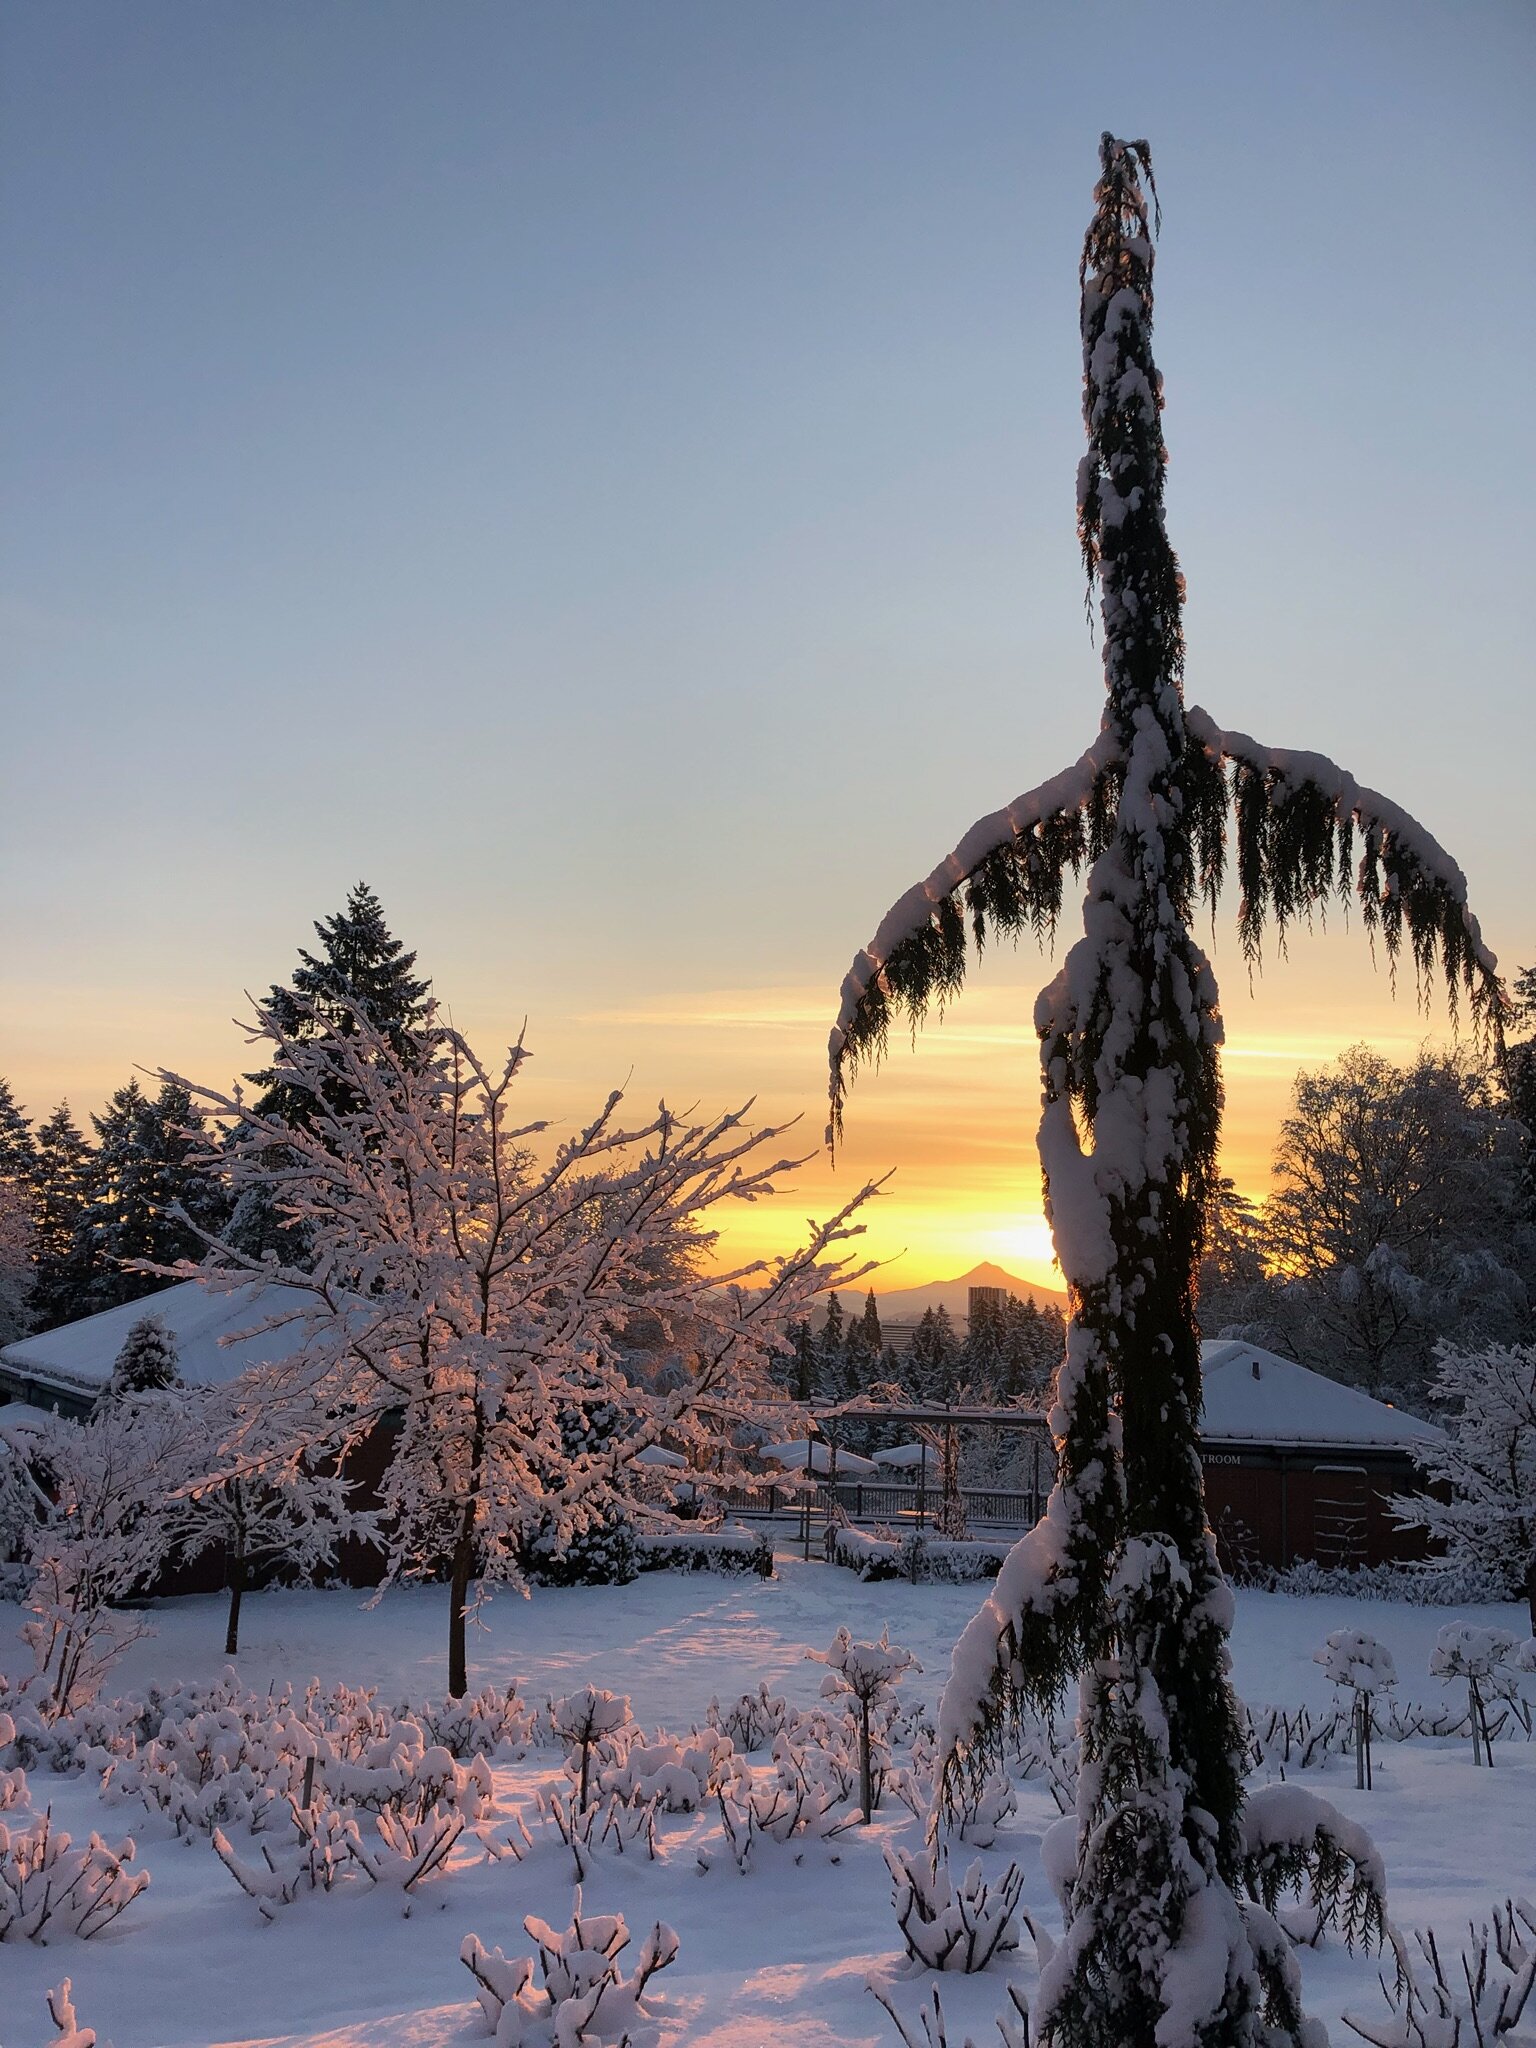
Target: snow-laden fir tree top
column 1165, row 1939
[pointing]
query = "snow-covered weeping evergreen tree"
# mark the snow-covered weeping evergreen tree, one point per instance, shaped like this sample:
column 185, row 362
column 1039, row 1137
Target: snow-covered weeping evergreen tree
column 1168, row 1934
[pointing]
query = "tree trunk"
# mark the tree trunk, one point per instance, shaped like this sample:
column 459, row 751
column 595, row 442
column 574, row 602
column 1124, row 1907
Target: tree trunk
column 236, row 1589
column 458, row 1592
column 1530, row 1589
column 866, row 1776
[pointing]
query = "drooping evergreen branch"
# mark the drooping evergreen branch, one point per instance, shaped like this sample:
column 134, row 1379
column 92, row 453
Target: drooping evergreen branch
column 1005, row 877
column 1298, row 819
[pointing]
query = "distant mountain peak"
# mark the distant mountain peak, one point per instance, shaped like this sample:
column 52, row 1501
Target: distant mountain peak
column 908, row 1303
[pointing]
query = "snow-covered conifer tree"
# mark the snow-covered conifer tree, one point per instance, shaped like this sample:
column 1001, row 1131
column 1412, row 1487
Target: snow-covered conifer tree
column 361, row 970
column 18, row 1148
column 147, row 1362
column 1487, row 1462
column 61, row 1184
column 17, row 1241
column 1120, row 1580
column 154, row 1188
column 455, row 1279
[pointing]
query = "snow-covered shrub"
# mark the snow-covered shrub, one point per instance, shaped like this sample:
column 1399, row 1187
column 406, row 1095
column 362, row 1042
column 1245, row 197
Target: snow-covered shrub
column 61, row 2010
column 752, row 1720
column 491, row 1724
column 981, row 1810
column 678, row 1774
column 949, row 1926
column 1357, row 1661
column 1294, row 1739
column 929, row 2029
column 596, row 1547
column 49, row 1887
column 1482, row 1657
column 1359, row 1664
column 583, row 1720
column 624, row 1825
column 147, row 1363
column 13, row 1783
column 584, row 1997
column 1466, row 1584
column 801, row 1799
column 730, row 1553
column 396, row 1849
column 1473, row 2002
column 915, row 1556
column 865, row 1674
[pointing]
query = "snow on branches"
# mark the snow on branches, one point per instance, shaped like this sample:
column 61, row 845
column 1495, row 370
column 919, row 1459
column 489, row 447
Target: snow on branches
column 865, row 1674
column 1120, row 1580
column 1487, row 1463
column 584, row 1996
column 469, row 1291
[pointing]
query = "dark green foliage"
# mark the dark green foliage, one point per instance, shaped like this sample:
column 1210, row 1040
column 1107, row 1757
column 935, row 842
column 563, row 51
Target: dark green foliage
column 152, row 1193
column 1317, row 1865
column 601, row 1551
column 18, row 1149
column 361, row 968
column 62, row 1191
column 932, row 1364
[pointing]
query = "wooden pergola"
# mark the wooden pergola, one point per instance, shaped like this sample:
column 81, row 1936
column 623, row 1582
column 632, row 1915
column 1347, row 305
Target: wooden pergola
column 821, row 1421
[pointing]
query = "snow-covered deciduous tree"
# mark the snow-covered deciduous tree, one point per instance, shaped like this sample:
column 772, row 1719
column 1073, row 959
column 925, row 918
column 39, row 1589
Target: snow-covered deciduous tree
column 1398, row 1218
column 866, row 1675
column 470, row 1293
column 97, row 1534
column 270, row 1509
column 1483, row 1657
column 1120, row 1578
column 1359, row 1664
column 147, row 1362
column 584, row 1719
column 1487, row 1461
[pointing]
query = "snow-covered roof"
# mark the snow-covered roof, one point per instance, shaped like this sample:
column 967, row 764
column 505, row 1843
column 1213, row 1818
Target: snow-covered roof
column 1254, row 1396
column 905, row 1454
column 658, row 1454
column 78, row 1357
column 792, row 1456
column 21, row 1419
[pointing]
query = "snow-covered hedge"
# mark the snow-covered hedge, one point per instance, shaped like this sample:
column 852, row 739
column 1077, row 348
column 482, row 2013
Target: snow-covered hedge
column 733, row 1553
column 1422, row 1585
column 916, row 1556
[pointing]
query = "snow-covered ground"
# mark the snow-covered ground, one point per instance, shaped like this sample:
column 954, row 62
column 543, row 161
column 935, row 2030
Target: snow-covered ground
column 779, row 1956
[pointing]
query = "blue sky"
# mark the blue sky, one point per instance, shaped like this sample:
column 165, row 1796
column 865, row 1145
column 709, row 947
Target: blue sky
column 604, row 473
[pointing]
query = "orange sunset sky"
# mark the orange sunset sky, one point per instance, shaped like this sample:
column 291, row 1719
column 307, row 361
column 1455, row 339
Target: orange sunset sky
column 606, row 479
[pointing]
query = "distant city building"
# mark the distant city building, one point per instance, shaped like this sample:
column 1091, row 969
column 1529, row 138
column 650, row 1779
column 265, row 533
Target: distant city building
column 985, row 1301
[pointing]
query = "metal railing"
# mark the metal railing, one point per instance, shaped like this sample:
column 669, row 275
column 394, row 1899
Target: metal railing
column 861, row 1501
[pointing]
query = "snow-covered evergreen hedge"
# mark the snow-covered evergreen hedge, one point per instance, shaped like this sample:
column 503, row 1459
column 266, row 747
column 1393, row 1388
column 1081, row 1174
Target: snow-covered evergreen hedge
column 733, row 1553
column 921, row 1558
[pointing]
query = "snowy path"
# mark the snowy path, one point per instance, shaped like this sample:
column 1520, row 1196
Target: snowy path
column 777, row 1959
